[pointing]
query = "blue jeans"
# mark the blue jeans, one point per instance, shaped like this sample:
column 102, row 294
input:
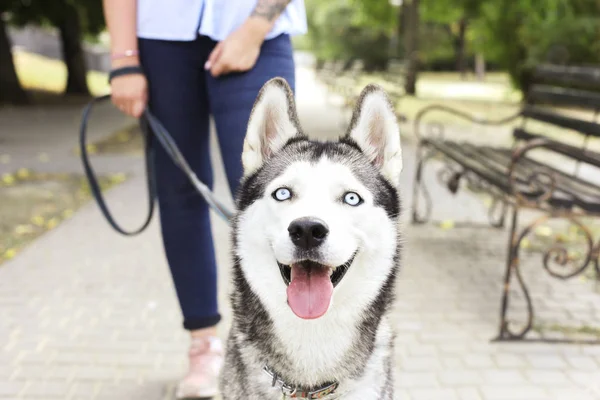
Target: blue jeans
column 183, row 96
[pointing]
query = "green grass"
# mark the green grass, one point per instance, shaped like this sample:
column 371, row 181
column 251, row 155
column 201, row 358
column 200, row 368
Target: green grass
column 43, row 74
column 493, row 98
column 568, row 330
column 451, row 86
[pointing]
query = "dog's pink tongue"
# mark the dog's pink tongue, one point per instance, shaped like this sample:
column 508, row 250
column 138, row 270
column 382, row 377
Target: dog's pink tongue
column 309, row 292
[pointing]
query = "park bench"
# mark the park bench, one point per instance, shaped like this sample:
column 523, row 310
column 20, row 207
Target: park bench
column 542, row 171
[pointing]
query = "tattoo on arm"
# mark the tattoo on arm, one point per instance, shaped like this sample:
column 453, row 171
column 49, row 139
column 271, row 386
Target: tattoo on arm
column 269, row 9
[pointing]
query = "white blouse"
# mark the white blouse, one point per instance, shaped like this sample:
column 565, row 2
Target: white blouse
column 184, row 19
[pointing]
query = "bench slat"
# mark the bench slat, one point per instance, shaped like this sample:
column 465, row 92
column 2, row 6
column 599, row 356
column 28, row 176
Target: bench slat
column 559, row 96
column 496, row 179
column 585, row 194
column 576, row 153
column 491, row 164
column 586, row 128
column 561, row 74
column 561, row 197
column 573, row 183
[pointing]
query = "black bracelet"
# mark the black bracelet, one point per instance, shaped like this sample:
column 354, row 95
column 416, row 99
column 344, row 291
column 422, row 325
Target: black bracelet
column 132, row 69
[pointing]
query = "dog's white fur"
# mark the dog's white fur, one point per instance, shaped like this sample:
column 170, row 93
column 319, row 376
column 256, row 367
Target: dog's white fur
column 316, row 347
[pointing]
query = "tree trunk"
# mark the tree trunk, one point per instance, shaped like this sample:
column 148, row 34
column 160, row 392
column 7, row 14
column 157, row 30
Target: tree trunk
column 411, row 44
column 480, row 67
column 460, row 48
column 73, row 56
column 11, row 90
column 398, row 33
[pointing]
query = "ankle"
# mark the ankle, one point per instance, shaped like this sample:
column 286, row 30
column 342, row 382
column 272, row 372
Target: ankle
column 204, row 333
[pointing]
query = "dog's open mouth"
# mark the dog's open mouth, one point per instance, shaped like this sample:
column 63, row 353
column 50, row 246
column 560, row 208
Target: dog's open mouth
column 310, row 286
column 334, row 275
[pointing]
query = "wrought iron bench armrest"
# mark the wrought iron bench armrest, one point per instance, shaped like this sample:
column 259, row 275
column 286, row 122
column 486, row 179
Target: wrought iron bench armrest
column 539, row 179
column 544, row 180
column 462, row 114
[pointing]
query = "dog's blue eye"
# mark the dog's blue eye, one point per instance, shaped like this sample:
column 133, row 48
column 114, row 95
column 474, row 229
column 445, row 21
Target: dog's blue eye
column 352, row 199
column 282, row 194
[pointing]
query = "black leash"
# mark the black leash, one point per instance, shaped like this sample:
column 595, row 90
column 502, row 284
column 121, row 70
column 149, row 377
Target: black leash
column 151, row 129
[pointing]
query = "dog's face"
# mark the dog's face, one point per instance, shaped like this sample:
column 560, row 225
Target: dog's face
column 318, row 220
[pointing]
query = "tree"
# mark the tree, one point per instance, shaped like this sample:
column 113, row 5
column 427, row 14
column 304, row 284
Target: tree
column 346, row 30
column 73, row 18
column 11, row 92
column 410, row 15
column 512, row 35
column 70, row 36
column 455, row 16
column 519, row 35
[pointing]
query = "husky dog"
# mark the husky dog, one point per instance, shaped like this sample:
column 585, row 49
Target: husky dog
column 316, row 253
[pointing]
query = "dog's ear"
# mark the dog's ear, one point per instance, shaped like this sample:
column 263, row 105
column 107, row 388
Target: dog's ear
column 374, row 128
column 273, row 121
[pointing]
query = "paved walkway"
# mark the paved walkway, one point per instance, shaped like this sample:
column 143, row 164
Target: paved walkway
column 88, row 314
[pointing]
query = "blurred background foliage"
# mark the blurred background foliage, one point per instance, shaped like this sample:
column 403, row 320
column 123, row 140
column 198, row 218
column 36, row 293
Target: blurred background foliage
column 508, row 35
column 462, row 36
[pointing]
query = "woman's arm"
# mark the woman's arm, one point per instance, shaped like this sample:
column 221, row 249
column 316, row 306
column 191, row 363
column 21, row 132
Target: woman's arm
column 270, row 9
column 129, row 92
column 240, row 50
column 121, row 21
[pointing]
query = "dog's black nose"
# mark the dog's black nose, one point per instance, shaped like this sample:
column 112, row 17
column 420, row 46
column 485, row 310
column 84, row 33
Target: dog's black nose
column 308, row 233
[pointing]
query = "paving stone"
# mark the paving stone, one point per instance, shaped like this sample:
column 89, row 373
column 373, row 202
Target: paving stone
column 478, row 361
column 28, row 372
column 593, row 350
column 453, row 348
column 460, row 377
column 46, row 390
column 583, row 378
column 421, row 363
column 416, row 380
column 402, row 394
column 583, row 363
column 508, row 360
column 452, row 362
column 516, row 392
column 503, row 377
column 546, row 377
column 468, row 393
column 73, row 358
column 573, row 393
column 96, row 373
column 138, row 360
column 547, row 361
column 84, row 390
column 433, row 394
column 423, row 350
column 10, row 389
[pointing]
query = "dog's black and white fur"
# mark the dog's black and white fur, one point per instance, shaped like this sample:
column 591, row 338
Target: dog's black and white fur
column 352, row 343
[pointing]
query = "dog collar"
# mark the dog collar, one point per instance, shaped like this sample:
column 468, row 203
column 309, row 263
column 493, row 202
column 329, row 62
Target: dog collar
column 294, row 392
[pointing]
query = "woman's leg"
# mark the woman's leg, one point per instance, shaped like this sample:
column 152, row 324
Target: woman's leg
column 232, row 97
column 177, row 96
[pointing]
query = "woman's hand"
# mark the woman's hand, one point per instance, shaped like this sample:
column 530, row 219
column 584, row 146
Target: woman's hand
column 129, row 93
column 240, row 50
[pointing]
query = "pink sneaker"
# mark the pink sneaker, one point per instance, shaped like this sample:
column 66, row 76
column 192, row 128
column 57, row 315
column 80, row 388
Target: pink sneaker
column 206, row 360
